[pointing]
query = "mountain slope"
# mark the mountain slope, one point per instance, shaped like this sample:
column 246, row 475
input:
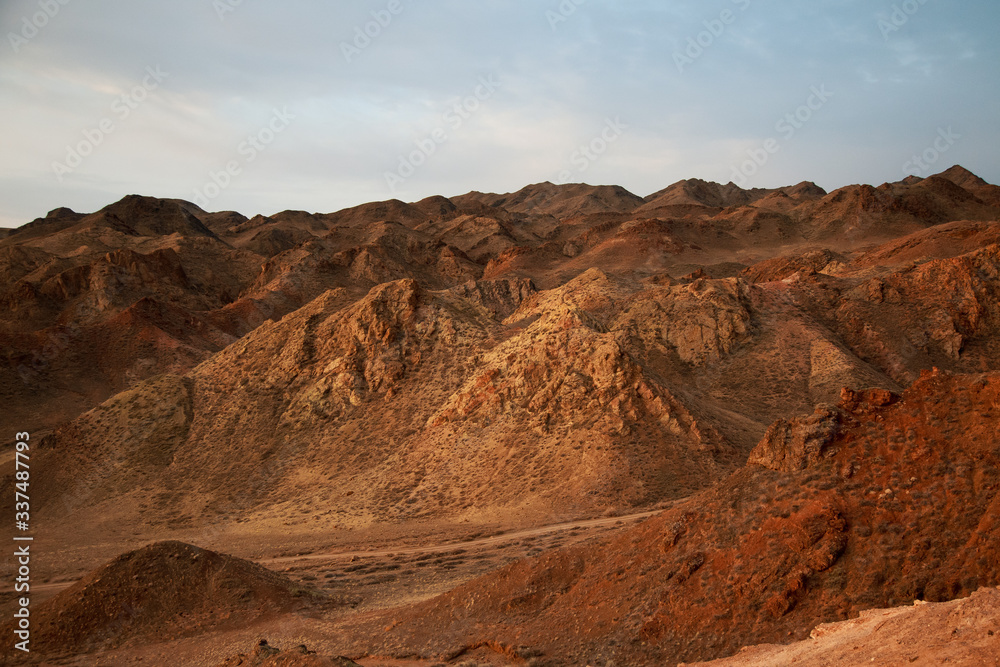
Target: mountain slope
column 836, row 513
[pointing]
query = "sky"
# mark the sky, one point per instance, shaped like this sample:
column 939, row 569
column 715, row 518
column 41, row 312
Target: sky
column 260, row 106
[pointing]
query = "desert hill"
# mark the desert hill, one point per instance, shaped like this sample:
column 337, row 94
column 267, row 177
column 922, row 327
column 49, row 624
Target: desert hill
column 164, row 590
column 401, row 374
column 414, row 403
column 68, row 274
column 875, row 501
column 872, row 502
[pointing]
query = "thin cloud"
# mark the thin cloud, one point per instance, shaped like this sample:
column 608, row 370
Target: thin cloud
column 560, row 80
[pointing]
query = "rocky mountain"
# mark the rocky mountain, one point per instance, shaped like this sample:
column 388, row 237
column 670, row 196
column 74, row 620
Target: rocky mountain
column 399, row 374
column 874, row 501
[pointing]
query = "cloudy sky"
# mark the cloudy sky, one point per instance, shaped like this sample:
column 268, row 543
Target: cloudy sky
column 260, row 106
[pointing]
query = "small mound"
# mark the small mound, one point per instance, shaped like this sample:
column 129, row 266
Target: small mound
column 164, row 590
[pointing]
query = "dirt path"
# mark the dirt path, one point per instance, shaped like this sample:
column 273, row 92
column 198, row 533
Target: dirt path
column 450, row 546
column 55, row 587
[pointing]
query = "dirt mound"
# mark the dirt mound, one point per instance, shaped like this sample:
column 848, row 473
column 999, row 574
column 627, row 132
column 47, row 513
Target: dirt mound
column 162, row 591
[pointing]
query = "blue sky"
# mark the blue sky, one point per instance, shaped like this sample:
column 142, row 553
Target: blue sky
column 260, row 106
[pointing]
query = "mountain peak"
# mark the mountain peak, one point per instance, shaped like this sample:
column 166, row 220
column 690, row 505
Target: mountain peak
column 151, row 216
column 959, row 175
column 61, row 212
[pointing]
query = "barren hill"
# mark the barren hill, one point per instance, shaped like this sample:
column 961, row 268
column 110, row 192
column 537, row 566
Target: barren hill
column 397, row 373
column 872, row 502
column 68, row 275
column 161, row 591
column 606, row 392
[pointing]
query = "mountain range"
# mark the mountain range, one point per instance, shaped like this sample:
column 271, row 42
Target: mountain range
column 796, row 390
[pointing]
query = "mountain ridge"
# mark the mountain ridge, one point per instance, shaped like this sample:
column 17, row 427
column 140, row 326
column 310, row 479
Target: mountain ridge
column 778, row 378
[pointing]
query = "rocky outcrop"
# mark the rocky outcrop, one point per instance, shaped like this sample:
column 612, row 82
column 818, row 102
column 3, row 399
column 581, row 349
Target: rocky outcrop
column 702, row 322
column 266, row 655
column 500, row 298
column 793, row 446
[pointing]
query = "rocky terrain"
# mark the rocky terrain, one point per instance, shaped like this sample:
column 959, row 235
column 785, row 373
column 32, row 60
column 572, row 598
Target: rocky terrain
column 960, row 632
column 802, row 383
column 877, row 500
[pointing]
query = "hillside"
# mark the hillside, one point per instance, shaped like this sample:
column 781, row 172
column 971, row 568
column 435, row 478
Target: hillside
column 873, row 502
column 799, row 387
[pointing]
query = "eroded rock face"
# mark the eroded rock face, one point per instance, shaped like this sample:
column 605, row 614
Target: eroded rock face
column 500, row 298
column 702, row 321
column 793, row 446
column 943, row 312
